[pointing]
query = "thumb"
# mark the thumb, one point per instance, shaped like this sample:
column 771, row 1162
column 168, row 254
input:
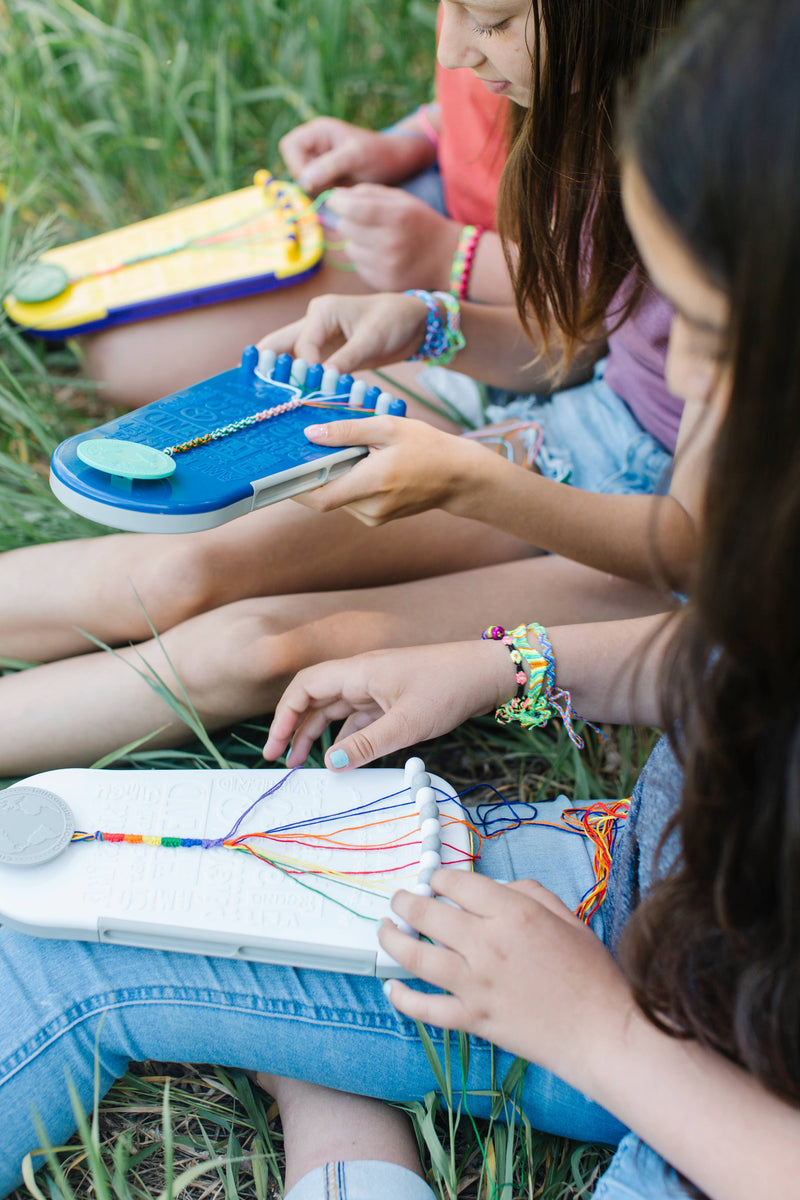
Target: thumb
column 335, row 166
column 362, row 739
column 361, row 431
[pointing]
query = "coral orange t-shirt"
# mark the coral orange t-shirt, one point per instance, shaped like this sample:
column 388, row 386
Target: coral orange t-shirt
column 472, row 147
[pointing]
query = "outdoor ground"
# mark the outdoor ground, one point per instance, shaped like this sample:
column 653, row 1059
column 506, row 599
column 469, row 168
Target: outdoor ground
column 117, row 110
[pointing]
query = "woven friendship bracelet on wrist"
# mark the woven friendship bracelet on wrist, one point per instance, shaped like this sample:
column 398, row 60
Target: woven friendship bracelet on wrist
column 543, row 699
column 443, row 338
column 463, row 258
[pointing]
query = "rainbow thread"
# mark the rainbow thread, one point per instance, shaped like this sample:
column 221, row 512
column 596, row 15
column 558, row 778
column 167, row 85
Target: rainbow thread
column 596, row 822
column 254, row 418
column 246, row 229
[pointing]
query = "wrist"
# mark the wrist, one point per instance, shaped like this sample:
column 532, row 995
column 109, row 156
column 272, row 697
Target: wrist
column 500, row 672
column 463, row 257
column 404, row 152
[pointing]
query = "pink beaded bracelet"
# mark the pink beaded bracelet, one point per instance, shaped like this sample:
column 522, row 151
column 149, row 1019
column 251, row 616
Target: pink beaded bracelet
column 463, row 259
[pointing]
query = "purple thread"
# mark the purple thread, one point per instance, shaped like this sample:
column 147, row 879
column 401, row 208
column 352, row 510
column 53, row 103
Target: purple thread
column 270, row 792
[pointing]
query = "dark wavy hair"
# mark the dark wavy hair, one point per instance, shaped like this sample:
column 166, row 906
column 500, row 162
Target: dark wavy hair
column 714, row 952
column 560, row 213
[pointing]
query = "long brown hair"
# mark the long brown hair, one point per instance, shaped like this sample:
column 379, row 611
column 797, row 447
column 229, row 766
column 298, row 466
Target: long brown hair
column 714, row 951
column 560, row 213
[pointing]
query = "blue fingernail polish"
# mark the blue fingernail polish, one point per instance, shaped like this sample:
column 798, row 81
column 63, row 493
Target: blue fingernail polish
column 339, row 758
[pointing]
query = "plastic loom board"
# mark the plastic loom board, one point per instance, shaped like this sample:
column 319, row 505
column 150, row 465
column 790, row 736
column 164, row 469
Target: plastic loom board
column 213, row 901
column 220, row 480
column 249, row 256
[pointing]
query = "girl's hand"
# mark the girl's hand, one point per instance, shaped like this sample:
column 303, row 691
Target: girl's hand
column 326, row 152
column 389, row 699
column 411, row 467
column 353, row 332
column 517, row 967
column 394, row 240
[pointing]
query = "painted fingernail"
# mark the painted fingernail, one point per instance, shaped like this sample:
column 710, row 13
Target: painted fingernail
column 387, row 988
column 315, row 431
column 339, row 758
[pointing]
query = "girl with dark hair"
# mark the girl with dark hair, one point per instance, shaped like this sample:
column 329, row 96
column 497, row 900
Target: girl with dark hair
column 218, row 599
column 670, row 1024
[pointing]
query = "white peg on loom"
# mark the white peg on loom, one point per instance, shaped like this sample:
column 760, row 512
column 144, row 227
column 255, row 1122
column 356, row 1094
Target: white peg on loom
column 330, row 380
column 430, row 858
column 413, row 765
column 426, row 804
column 356, row 400
column 266, row 361
column 299, row 372
column 430, row 827
column 382, row 403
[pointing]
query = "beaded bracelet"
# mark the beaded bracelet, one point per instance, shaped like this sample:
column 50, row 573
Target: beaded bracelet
column 462, row 260
column 497, row 634
column 435, row 342
column 544, row 699
column 443, row 339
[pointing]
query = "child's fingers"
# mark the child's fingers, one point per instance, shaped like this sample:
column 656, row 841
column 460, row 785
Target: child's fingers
column 443, row 923
column 365, row 431
column 336, row 166
column 282, row 340
column 316, row 688
column 476, row 894
column 310, row 729
column 435, row 964
column 393, row 731
column 432, row 1009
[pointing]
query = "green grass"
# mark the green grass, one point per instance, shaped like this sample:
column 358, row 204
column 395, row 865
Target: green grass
column 117, row 110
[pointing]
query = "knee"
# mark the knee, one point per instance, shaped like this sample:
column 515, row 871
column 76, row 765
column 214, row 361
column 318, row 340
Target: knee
column 183, row 578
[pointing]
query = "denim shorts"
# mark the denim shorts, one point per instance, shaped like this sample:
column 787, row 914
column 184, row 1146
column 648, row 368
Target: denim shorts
column 427, row 186
column 590, row 438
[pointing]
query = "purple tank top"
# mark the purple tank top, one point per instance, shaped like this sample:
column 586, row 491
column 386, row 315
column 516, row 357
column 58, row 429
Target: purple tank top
column 637, row 354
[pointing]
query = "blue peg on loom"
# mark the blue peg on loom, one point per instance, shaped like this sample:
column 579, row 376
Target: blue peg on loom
column 371, row 396
column 314, row 377
column 249, row 360
column 345, row 384
column 282, row 369
column 397, row 408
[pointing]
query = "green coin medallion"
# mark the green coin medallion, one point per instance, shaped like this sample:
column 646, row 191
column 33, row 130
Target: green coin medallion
column 131, row 460
column 43, row 281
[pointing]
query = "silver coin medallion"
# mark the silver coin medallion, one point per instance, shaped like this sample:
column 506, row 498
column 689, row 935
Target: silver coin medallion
column 35, row 826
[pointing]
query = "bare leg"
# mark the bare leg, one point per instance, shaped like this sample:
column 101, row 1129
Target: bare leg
column 104, row 585
column 47, row 591
column 137, row 363
column 321, row 1125
column 234, row 662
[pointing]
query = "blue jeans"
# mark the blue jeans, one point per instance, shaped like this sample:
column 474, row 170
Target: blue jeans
column 64, row 1002
column 590, row 438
